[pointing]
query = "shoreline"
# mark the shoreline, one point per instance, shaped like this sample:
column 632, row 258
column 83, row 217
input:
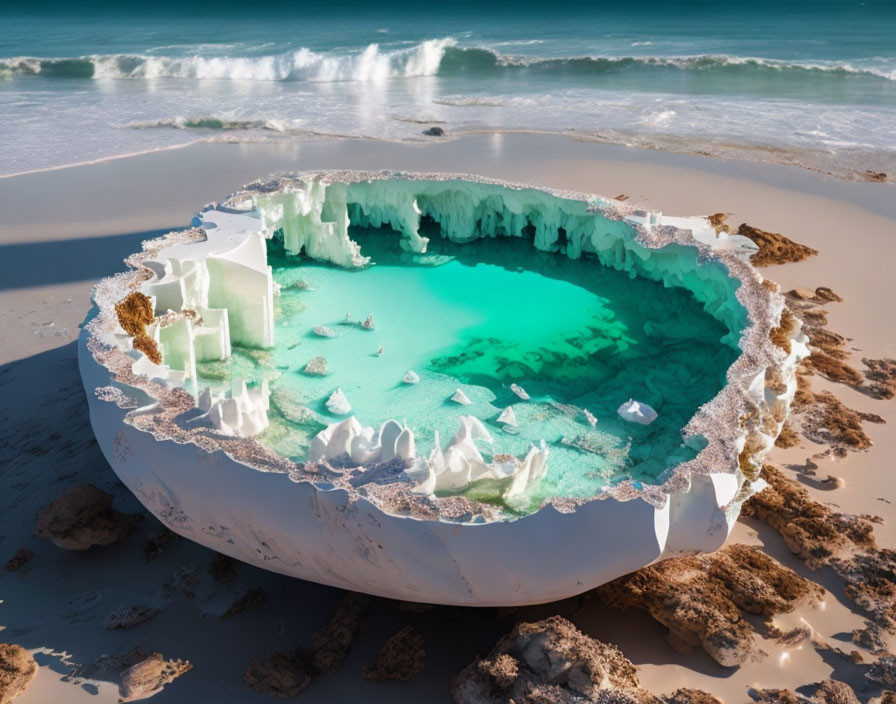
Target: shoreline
column 82, row 220
column 726, row 152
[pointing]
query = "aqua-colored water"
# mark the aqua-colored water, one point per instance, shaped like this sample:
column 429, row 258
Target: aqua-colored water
column 817, row 80
column 482, row 316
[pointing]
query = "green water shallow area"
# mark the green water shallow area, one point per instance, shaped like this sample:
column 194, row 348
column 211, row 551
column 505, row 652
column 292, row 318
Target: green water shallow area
column 481, row 316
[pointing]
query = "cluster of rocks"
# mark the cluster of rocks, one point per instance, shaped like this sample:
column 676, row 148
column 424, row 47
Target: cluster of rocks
column 702, row 599
column 551, row 661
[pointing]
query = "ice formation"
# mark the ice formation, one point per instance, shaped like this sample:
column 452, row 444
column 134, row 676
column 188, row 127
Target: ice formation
column 636, row 412
column 240, row 411
column 508, row 417
column 369, row 509
column 338, row 403
column 461, row 398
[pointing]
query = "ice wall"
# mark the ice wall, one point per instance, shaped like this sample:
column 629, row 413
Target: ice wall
column 313, row 218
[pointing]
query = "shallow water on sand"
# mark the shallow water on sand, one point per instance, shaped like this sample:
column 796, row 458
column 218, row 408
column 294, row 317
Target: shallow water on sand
column 482, row 316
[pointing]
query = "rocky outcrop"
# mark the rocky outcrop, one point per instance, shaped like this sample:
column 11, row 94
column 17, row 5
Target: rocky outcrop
column 138, row 674
column 822, row 537
column 223, row 569
column 402, row 657
column 17, row 670
column 81, row 517
column 881, row 373
column 811, row 530
column 700, row 599
column 883, row 671
column 252, row 596
column 148, row 676
column 434, row 132
column 826, row 692
column 287, row 674
column 774, row 248
column 282, row 674
column 330, row 645
column 552, row 662
column 549, row 661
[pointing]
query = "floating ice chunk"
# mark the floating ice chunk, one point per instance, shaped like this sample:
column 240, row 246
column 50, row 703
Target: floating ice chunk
column 508, row 417
column 590, row 417
column 637, row 412
column 324, row 331
column 519, row 391
column 411, row 377
column 317, row 366
column 368, row 323
column 461, row 397
column 338, row 404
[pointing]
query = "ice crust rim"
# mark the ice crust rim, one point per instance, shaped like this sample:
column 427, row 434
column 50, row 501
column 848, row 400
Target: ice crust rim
column 734, row 423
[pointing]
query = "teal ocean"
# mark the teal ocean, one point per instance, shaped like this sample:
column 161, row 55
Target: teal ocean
column 814, row 86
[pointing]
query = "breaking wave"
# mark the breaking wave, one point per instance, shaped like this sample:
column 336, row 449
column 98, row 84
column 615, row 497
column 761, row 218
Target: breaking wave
column 428, row 58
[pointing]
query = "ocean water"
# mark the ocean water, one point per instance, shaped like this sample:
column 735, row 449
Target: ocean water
column 813, row 86
column 481, row 316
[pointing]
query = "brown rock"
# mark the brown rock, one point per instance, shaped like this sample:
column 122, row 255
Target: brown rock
column 883, row 671
column 149, row 676
column 134, row 313
column 154, row 545
column 81, row 517
column 691, row 696
column 882, row 375
column 254, row 595
column 550, row 662
column 787, row 438
column 17, row 670
column 774, row 248
column 700, row 598
column 878, row 176
column 129, row 616
column 778, row 696
column 223, row 569
column 283, row 674
column 17, row 560
column 811, row 530
column 717, row 221
column 402, row 657
column 330, row 645
column 834, row 692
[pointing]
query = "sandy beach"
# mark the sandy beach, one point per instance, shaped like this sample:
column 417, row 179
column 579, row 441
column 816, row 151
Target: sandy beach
column 80, row 222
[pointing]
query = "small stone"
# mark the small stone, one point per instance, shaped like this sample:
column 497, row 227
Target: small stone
column 254, row 595
column 324, row 331
column 316, row 367
column 81, row 517
column 129, row 616
column 402, row 657
column 434, row 132
column 17, row 560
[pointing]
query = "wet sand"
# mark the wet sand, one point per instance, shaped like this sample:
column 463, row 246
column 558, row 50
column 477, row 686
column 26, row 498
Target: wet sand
column 80, row 222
